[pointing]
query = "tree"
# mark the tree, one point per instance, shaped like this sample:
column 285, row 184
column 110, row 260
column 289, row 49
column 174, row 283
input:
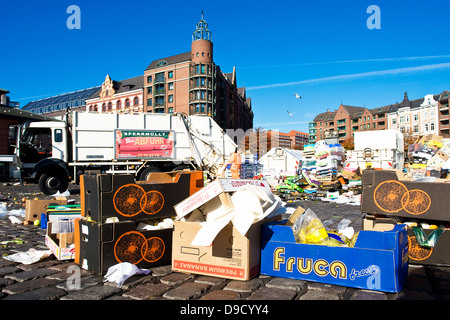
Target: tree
column 348, row 144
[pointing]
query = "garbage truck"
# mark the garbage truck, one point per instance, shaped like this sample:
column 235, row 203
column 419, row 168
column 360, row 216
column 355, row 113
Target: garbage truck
column 55, row 153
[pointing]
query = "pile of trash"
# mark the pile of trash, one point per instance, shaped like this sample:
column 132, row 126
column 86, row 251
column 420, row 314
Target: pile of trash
column 309, row 229
column 322, row 176
column 429, row 156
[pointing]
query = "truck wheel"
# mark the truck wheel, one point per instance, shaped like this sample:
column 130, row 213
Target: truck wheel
column 50, row 183
column 145, row 173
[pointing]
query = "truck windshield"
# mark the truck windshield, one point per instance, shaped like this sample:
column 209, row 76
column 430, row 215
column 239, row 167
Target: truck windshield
column 36, row 144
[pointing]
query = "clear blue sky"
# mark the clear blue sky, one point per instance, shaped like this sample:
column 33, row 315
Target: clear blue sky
column 321, row 49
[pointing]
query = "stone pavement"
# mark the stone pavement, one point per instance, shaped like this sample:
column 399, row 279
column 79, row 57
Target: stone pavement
column 50, row 279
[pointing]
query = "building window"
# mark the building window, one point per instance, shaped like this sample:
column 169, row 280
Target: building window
column 149, row 102
column 170, row 74
column 159, row 77
column 171, row 98
column 432, row 126
column 127, row 103
column 171, row 110
column 109, row 106
column 416, row 117
column 149, row 90
column 136, row 101
column 394, row 121
column 170, row 85
column 149, row 79
column 119, row 105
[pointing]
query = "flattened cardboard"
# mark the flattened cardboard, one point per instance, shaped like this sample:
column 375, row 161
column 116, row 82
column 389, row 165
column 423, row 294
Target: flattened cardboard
column 378, row 261
column 104, row 196
column 102, row 245
column 211, row 191
column 231, row 255
column 385, row 193
column 437, row 256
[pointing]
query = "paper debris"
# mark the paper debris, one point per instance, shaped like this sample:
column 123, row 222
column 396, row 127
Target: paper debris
column 28, row 257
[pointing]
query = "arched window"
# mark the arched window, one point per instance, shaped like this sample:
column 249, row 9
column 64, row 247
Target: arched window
column 109, row 106
column 119, row 105
column 127, row 103
column 104, row 107
column 95, row 107
column 136, row 101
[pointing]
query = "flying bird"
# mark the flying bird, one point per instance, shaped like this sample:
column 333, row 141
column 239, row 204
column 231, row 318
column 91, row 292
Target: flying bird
column 290, row 114
column 297, row 95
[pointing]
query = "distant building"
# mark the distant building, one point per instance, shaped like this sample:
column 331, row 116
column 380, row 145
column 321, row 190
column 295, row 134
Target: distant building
column 298, row 139
column 58, row 105
column 420, row 116
column 5, row 101
column 416, row 117
column 118, row 96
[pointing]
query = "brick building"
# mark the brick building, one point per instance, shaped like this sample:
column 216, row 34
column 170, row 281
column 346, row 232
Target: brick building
column 192, row 83
column 419, row 116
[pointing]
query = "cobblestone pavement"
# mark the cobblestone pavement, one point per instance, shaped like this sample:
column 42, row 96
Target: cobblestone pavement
column 48, row 278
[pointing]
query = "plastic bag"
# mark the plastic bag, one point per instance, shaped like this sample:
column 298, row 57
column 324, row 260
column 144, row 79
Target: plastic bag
column 309, row 229
column 427, row 241
column 120, row 272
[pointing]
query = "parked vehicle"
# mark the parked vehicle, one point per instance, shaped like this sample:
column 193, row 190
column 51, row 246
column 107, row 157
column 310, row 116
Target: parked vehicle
column 53, row 153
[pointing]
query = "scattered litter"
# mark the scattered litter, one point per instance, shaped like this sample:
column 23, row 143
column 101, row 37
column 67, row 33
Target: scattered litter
column 64, row 194
column 120, row 272
column 28, row 257
column 15, row 212
column 165, row 224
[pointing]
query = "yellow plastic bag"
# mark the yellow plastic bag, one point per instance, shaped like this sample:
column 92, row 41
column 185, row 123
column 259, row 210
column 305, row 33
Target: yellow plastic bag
column 309, row 229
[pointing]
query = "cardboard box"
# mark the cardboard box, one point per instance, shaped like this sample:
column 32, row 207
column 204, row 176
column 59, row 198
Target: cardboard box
column 104, row 196
column 385, row 192
column 61, row 244
column 378, row 261
column 34, row 208
column 212, row 190
column 102, row 245
column 231, row 255
column 226, row 251
column 438, row 255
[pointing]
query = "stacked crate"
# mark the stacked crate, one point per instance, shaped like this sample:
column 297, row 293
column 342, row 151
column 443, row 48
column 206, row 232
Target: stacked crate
column 388, row 198
column 121, row 218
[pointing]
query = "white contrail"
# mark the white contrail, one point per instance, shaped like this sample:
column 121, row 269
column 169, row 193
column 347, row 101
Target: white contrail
column 429, row 67
column 349, row 61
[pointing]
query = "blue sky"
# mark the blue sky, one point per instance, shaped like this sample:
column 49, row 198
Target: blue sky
column 321, row 49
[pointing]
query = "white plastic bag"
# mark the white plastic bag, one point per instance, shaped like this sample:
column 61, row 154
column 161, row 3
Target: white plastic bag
column 120, row 272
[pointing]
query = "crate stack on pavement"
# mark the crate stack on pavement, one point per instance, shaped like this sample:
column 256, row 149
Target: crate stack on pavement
column 129, row 221
column 390, row 197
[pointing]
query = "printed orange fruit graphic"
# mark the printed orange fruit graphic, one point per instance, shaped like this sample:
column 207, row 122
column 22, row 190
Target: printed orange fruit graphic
column 154, row 249
column 419, row 202
column 127, row 200
column 417, row 252
column 390, row 196
column 130, row 247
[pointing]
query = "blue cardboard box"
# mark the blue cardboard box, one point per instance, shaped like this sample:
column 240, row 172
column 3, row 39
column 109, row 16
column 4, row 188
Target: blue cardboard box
column 378, row 261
